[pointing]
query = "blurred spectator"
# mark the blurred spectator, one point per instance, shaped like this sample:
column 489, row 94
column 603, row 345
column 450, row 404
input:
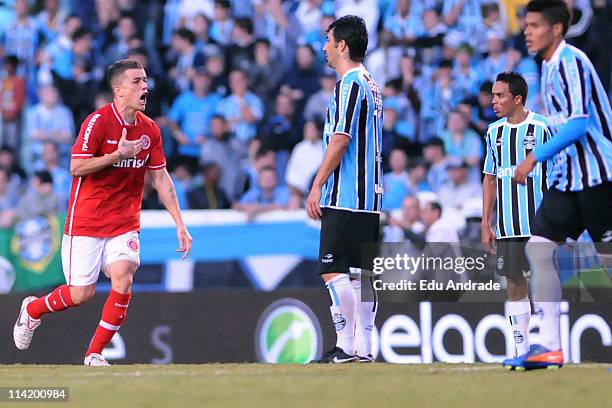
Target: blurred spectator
column 62, row 181
column 402, row 27
column 258, row 158
column 204, row 43
column 8, row 200
column 188, row 58
column 190, row 115
column 281, row 131
column 119, row 45
column 458, row 189
column 301, row 81
column 366, row 9
column 267, row 196
column 412, row 83
column 242, row 108
column 479, row 109
column 223, row 150
column 51, row 20
column 209, row 195
column 431, row 34
column 215, row 66
column 433, row 152
column 241, row 53
column 304, row 162
column 437, row 231
column 264, row 75
column 317, row 37
column 40, row 199
column 273, row 21
column 439, row 99
column 48, row 121
column 309, row 14
column 395, row 99
column 22, row 38
column 186, row 10
column 159, row 87
column 182, row 176
column 13, row 99
column 316, row 105
column 222, row 23
column 57, row 55
column 463, row 15
column 461, row 142
column 396, row 182
column 464, row 75
column 407, row 227
column 417, row 175
column 496, row 60
column 526, row 65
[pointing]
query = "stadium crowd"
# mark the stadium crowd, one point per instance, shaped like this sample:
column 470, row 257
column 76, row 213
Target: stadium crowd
column 240, row 91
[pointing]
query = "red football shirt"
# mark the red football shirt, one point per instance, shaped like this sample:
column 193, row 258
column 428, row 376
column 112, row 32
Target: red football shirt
column 107, row 203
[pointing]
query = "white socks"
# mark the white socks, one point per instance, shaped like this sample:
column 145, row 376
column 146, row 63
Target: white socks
column 519, row 313
column 343, row 311
column 365, row 313
column 545, row 289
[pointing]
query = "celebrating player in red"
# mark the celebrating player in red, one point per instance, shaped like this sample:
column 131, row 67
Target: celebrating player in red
column 116, row 145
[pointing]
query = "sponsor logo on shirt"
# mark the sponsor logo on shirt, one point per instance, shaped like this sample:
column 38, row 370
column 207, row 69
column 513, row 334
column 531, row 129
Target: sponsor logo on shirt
column 132, row 163
column 88, row 130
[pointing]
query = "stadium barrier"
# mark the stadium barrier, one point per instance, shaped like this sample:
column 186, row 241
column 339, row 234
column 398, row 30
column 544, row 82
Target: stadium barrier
column 291, row 326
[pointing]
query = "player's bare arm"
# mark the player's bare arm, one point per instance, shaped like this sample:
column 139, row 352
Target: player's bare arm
column 335, row 151
column 488, row 200
column 167, row 195
column 126, row 149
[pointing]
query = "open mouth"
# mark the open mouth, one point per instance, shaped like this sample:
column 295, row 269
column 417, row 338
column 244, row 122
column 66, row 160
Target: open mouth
column 143, row 98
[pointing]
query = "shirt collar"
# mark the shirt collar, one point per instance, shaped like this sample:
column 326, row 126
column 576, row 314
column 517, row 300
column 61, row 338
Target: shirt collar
column 360, row 67
column 557, row 53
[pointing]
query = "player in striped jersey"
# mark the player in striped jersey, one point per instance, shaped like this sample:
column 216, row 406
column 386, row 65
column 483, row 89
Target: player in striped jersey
column 580, row 121
column 508, row 141
column 347, row 191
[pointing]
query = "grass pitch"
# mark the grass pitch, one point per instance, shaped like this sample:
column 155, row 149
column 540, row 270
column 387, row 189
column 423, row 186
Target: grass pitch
column 347, row 385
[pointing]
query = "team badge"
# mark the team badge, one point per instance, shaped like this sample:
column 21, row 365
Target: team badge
column 133, row 244
column 529, row 141
column 146, row 142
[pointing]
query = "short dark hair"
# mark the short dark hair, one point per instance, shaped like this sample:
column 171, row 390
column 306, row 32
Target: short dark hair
column 185, row 34
column 486, row 87
column 553, row 11
column 244, row 23
column 12, row 60
column 516, row 83
column 353, row 31
column 226, row 4
column 119, row 67
column 436, row 206
column 80, row 33
column 44, row 176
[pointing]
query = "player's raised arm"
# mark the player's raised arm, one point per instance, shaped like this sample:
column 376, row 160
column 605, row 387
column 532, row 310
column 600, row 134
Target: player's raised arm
column 167, row 195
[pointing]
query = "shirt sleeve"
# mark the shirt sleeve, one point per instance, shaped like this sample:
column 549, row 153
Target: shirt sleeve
column 347, row 107
column 158, row 159
column 575, row 77
column 88, row 140
column 489, row 163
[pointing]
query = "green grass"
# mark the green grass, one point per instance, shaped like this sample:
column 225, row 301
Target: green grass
column 348, row 385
